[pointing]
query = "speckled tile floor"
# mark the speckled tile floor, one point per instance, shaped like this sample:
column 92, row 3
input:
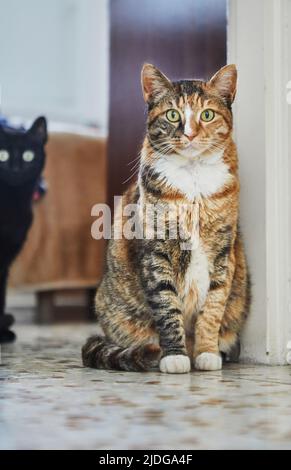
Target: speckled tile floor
column 49, row 401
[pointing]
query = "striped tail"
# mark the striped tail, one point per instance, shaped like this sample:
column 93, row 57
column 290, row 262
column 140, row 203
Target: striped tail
column 99, row 353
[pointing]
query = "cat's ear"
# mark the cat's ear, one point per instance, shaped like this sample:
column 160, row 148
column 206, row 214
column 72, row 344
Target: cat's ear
column 39, row 129
column 224, row 82
column 154, row 83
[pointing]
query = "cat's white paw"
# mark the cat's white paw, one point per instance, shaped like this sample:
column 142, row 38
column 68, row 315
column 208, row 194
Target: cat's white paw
column 208, row 361
column 175, row 364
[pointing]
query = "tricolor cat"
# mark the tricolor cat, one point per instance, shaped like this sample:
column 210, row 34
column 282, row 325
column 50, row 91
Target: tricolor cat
column 159, row 303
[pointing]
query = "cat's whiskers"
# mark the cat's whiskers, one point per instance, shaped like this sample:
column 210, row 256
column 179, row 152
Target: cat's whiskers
column 135, row 167
column 131, row 176
column 134, row 160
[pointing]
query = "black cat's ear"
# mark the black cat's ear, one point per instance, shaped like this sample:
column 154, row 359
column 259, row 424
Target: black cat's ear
column 224, row 82
column 154, row 83
column 39, row 130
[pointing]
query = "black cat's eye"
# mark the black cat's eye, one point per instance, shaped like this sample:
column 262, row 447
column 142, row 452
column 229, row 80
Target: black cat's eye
column 28, row 156
column 4, row 156
column 173, row 115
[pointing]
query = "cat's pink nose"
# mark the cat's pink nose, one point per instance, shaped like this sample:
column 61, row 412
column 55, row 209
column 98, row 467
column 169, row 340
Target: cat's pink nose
column 190, row 136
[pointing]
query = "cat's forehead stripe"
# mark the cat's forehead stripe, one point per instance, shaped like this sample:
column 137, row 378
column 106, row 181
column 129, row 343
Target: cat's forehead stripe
column 182, row 100
column 194, row 100
column 189, row 93
column 189, row 87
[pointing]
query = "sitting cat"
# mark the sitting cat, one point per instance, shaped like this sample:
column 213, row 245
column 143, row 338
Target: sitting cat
column 159, row 302
column 22, row 159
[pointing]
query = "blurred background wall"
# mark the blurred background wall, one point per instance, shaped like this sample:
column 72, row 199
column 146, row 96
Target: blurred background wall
column 54, row 59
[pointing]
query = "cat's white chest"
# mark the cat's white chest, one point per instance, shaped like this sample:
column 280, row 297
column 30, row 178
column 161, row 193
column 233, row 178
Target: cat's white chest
column 196, row 282
column 195, row 178
column 202, row 176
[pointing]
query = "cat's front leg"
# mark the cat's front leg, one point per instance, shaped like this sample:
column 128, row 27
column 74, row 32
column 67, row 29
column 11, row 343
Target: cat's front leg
column 208, row 323
column 159, row 286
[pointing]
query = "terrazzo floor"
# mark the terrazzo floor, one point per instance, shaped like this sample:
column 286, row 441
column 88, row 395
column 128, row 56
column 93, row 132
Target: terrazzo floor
column 49, row 401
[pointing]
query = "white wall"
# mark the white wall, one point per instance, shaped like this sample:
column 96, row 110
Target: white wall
column 244, row 32
column 54, row 59
column 258, row 43
column 288, row 21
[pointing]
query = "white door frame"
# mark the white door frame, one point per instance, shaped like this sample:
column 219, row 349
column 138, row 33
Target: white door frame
column 258, row 33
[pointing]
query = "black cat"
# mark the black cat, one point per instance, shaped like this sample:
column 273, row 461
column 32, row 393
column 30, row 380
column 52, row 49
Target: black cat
column 22, row 159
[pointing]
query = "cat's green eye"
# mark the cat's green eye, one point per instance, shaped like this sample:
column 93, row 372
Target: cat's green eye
column 4, row 156
column 28, row 156
column 207, row 115
column 173, row 115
